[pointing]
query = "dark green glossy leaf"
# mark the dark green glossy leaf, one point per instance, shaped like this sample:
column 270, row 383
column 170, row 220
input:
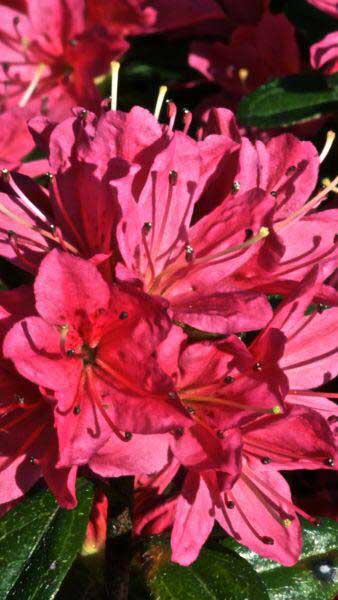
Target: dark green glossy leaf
column 39, row 542
column 314, row 577
column 290, row 100
column 216, row 574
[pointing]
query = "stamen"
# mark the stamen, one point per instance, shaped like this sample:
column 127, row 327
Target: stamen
column 171, row 113
column 13, row 240
column 187, row 118
column 263, row 232
column 243, row 75
column 23, row 198
column 236, row 186
column 308, row 206
column 115, row 67
column 330, row 137
column 160, row 99
column 326, row 181
column 311, row 393
column 97, row 402
column 231, row 403
column 33, row 85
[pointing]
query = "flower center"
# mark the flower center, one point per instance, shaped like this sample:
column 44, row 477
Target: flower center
column 88, row 354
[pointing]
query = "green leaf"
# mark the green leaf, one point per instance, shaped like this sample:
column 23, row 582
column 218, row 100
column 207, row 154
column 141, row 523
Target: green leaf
column 307, row 579
column 217, row 574
column 290, row 100
column 39, row 541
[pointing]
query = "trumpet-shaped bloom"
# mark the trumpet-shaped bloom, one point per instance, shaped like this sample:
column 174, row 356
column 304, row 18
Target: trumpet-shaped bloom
column 92, row 350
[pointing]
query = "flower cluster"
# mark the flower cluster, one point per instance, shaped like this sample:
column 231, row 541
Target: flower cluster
column 178, row 316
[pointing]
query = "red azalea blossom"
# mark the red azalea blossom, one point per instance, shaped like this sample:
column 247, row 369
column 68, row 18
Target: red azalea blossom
column 91, row 349
column 254, row 54
column 324, row 54
column 255, row 507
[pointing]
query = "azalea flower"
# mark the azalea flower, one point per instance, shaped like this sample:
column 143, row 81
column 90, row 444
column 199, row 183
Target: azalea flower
column 254, row 54
column 91, row 350
column 256, row 508
column 324, row 54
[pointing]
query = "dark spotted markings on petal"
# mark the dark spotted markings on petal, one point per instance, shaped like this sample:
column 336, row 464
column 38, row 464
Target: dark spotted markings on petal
column 267, row 540
column 291, row 170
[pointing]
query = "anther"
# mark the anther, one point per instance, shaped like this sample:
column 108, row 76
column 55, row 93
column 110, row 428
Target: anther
column 265, row 460
column 189, row 253
column 267, row 540
column 178, row 432
column 291, row 170
column 248, row 234
column 329, row 462
column 49, row 175
column 330, row 136
column 286, row 522
column 172, row 395
column 274, row 194
column 70, row 353
column 146, row 227
column 19, row 399
column 257, row 366
column 11, row 234
column 276, row 410
column 128, row 436
column 123, row 315
column 230, row 504
column 32, row 460
column 236, row 186
column 83, row 114
column 73, row 42
column 243, row 75
column 220, row 434
column 5, row 174
column 228, row 379
column 173, row 176
column 322, row 307
column 76, row 410
column 191, row 410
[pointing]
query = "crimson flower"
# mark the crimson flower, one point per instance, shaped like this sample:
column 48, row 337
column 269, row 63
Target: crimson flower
column 254, row 54
column 324, row 54
column 91, row 349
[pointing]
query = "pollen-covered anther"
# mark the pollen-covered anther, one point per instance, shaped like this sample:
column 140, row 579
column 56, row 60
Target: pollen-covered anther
column 32, row 460
column 70, row 353
column 128, row 436
column 189, row 253
column 146, row 227
column 19, row 399
column 257, row 366
column 243, row 74
column 276, row 410
column 76, row 410
column 228, row 379
column 123, row 315
column 5, row 174
column 230, row 504
column 265, row 460
column 274, row 194
column 187, row 118
column 220, row 434
column 286, row 522
column 173, row 176
column 236, row 186
column 291, row 170
column 191, row 410
column 329, row 462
